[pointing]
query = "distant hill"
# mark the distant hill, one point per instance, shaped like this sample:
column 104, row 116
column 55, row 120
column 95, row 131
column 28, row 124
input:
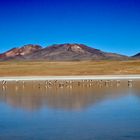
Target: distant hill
column 20, row 53
column 59, row 52
column 136, row 55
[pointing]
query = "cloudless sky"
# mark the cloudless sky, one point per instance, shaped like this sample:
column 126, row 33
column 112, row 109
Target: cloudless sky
column 109, row 25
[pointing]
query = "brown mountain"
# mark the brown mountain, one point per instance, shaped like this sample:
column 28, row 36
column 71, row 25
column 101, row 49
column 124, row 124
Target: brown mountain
column 59, row 52
column 20, row 52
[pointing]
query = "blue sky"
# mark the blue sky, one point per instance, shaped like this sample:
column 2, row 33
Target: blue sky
column 109, row 25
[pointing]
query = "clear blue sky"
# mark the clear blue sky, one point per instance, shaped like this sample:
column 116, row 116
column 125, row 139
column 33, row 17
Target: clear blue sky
column 109, row 25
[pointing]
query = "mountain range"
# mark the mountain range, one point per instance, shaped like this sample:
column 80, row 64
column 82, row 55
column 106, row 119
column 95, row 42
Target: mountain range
column 61, row 52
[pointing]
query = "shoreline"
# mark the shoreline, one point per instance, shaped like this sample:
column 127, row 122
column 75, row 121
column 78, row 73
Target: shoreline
column 59, row 78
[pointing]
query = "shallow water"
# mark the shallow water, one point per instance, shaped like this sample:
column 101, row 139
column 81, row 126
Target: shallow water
column 85, row 112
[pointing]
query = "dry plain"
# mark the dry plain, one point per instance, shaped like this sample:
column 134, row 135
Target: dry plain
column 43, row 68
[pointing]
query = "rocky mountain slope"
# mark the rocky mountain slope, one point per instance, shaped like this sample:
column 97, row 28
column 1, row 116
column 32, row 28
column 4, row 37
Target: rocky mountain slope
column 20, row 52
column 59, row 52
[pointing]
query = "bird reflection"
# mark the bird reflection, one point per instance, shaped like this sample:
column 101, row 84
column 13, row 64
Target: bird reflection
column 32, row 97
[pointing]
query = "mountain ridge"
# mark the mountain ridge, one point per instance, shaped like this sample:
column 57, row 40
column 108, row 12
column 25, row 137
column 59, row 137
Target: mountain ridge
column 136, row 56
column 59, row 52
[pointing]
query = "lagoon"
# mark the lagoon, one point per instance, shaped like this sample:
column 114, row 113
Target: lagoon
column 85, row 112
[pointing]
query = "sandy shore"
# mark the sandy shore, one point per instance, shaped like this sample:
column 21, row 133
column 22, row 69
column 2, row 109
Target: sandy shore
column 90, row 77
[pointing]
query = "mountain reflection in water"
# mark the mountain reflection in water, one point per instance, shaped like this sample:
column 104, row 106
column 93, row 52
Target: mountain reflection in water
column 32, row 98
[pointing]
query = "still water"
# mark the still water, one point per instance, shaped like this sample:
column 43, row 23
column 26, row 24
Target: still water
column 86, row 112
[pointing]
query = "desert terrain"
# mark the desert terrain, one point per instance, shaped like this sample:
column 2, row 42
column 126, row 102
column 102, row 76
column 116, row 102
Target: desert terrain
column 44, row 68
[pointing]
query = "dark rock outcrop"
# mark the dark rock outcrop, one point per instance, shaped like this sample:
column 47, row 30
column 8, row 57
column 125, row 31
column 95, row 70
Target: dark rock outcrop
column 137, row 56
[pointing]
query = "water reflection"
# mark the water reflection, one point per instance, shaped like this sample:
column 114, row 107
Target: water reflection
column 105, row 110
column 33, row 97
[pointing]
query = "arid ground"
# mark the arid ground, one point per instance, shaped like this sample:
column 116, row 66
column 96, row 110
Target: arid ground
column 37, row 68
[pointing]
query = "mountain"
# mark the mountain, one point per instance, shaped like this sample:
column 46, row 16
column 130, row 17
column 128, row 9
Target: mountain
column 59, row 52
column 136, row 55
column 20, row 52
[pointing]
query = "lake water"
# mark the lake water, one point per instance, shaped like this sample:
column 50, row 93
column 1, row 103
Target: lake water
column 85, row 112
